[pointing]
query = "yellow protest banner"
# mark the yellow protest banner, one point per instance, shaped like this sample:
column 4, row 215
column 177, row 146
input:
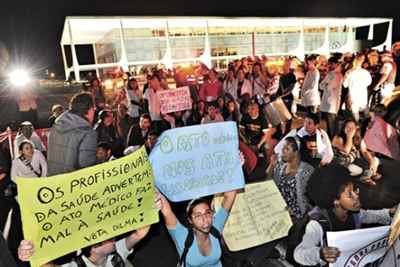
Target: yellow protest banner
column 66, row 212
column 258, row 216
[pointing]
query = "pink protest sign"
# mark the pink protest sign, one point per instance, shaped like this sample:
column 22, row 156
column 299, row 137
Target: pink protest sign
column 382, row 138
column 172, row 100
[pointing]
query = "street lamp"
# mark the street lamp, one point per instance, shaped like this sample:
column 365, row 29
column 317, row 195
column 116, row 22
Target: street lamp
column 19, row 77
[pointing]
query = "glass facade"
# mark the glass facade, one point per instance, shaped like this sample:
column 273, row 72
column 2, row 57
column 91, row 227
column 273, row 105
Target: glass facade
column 136, row 41
column 108, row 49
column 337, row 37
column 189, row 43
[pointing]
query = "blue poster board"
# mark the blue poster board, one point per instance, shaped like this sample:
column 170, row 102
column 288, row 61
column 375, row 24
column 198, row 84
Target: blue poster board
column 196, row 161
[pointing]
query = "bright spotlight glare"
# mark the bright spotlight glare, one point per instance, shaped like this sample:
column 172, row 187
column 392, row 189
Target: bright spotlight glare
column 19, row 77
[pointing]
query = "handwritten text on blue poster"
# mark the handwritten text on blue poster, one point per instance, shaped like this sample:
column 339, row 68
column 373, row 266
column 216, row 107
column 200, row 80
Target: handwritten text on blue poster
column 196, row 161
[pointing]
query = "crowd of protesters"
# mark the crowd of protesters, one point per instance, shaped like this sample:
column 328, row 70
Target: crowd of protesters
column 316, row 167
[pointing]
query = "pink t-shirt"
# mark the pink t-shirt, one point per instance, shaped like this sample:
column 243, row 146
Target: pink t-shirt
column 210, row 90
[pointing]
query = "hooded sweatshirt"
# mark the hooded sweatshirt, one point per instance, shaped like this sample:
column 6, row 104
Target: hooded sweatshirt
column 72, row 144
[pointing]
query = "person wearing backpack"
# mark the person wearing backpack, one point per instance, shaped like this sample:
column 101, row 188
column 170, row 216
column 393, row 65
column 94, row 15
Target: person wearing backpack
column 198, row 245
column 339, row 209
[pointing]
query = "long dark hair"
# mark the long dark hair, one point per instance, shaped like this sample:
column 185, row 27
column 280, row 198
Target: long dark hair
column 129, row 87
column 192, row 204
column 235, row 113
column 21, row 146
column 357, row 137
column 293, row 143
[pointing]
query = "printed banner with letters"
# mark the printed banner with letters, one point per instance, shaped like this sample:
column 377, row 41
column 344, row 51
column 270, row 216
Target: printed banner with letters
column 258, row 216
column 359, row 247
column 172, row 100
column 392, row 256
column 196, row 161
column 66, row 212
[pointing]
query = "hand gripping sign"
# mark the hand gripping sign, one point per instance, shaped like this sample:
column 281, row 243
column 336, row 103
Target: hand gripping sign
column 359, row 247
column 64, row 213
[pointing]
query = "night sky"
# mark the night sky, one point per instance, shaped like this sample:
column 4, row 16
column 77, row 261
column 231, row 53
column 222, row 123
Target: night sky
column 31, row 29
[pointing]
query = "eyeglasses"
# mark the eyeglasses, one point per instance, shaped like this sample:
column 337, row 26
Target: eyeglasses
column 208, row 214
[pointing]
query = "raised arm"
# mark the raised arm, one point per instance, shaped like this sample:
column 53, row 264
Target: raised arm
column 136, row 236
column 169, row 215
column 327, row 154
column 229, row 199
column 344, row 146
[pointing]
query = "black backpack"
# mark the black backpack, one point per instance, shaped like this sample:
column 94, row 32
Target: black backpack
column 296, row 232
column 189, row 241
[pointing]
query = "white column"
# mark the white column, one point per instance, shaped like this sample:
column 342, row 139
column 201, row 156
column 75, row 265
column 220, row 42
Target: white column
column 324, row 49
column 124, row 58
column 75, row 63
column 327, row 48
column 206, row 56
column 349, row 40
column 371, row 32
column 300, row 53
column 167, row 59
column 95, row 60
column 66, row 69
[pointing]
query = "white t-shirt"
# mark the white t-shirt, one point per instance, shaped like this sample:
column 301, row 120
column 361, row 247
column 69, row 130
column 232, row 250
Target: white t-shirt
column 154, row 104
column 20, row 169
column 332, row 87
column 358, row 80
column 133, row 110
column 121, row 249
column 388, row 85
column 309, row 93
column 258, row 86
column 324, row 146
column 387, row 68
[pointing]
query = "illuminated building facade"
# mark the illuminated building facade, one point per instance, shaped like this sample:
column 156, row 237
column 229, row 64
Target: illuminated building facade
column 132, row 42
